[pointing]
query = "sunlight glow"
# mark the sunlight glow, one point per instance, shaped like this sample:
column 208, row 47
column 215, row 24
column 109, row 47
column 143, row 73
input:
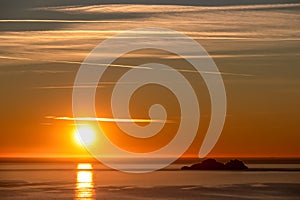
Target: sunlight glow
column 84, row 135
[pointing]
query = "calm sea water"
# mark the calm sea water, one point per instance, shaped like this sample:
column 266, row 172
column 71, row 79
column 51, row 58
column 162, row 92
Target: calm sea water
column 94, row 181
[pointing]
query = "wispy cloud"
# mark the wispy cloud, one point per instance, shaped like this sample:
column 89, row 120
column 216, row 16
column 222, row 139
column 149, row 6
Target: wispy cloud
column 101, row 84
column 213, row 73
column 112, row 65
column 126, row 8
column 59, row 21
column 14, row 58
column 73, row 62
column 103, row 119
column 68, row 87
column 233, row 55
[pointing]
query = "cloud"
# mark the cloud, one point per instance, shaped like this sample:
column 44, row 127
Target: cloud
column 112, row 65
column 139, row 8
column 103, row 119
column 14, row 58
column 70, row 62
column 214, row 73
column 59, row 21
column 67, row 87
column 101, row 84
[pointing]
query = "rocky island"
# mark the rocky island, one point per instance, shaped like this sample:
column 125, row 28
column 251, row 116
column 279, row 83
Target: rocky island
column 212, row 164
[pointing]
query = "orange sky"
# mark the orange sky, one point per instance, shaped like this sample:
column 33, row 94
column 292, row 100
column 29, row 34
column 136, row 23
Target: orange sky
column 257, row 51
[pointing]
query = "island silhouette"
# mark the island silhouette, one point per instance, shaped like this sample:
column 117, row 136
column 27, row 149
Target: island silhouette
column 212, row 164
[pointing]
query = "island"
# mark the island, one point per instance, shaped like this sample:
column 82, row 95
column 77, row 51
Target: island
column 212, row 164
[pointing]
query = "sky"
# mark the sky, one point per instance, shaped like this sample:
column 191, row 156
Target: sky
column 255, row 45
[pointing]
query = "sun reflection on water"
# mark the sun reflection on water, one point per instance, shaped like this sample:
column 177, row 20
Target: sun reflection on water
column 85, row 184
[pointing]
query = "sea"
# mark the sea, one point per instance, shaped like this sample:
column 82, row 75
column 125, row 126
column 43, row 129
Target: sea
column 90, row 181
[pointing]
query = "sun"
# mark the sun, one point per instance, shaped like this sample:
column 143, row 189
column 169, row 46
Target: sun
column 84, row 135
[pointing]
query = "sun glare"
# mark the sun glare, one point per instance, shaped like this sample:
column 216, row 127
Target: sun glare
column 85, row 166
column 84, row 135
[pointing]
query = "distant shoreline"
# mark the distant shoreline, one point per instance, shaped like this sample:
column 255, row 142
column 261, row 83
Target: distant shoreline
column 248, row 160
column 252, row 170
column 184, row 171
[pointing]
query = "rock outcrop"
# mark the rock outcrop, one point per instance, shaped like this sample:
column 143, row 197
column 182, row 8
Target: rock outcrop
column 212, row 164
column 235, row 165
